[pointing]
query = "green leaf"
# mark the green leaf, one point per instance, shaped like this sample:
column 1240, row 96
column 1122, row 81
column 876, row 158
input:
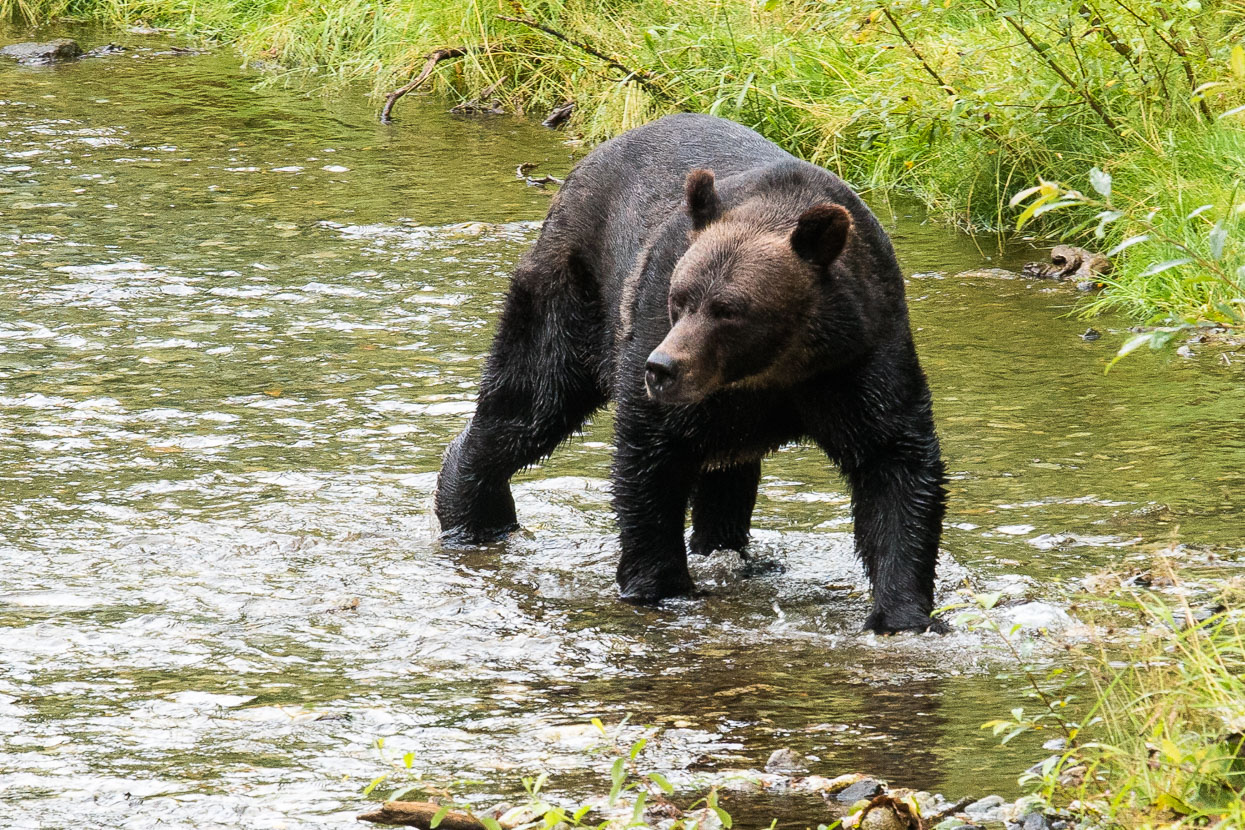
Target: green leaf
column 743, row 92
column 1128, row 243
column 1063, row 203
column 661, row 782
column 600, row 726
column 1105, row 218
column 439, row 816
column 988, row 601
column 637, row 748
column 637, row 814
column 1161, row 338
column 618, row 774
column 1032, row 209
column 408, row 760
column 375, row 783
column 1166, row 265
column 1024, row 194
column 1217, row 237
column 1128, row 348
column 489, row 822
column 1200, row 92
column 1236, row 61
column 1101, row 181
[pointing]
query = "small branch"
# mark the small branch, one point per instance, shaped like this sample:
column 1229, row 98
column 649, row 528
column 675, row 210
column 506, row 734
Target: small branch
column 942, row 84
column 431, row 60
column 1097, row 24
column 912, row 48
column 1085, row 94
column 1173, row 44
column 643, row 77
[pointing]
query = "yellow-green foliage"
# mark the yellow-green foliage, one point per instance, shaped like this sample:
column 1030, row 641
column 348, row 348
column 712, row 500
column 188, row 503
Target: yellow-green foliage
column 1171, row 748
column 962, row 102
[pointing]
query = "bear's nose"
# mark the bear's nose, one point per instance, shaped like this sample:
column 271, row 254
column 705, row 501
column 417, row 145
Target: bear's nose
column 661, row 369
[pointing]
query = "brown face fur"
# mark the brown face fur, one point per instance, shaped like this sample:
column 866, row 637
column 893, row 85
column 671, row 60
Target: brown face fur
column 741, row 296
column 738, row 304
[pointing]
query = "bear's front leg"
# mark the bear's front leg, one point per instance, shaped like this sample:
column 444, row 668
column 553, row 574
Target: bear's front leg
column 652, row 480
column 473, row 501
column 898, row 503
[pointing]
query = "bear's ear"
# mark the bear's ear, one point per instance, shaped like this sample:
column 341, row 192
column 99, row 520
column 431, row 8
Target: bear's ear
column 703, row 204
column 821, row 233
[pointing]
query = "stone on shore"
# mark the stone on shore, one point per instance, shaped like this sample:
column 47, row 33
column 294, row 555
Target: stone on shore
column 43, row 54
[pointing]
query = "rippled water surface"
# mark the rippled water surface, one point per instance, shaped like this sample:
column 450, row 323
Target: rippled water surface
column 238, row 325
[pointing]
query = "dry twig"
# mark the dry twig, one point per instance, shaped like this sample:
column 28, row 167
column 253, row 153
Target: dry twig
column 431, row 61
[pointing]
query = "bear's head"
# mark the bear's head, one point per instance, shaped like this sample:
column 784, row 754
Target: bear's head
column 742, row 297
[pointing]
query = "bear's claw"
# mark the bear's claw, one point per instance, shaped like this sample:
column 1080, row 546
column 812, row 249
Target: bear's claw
column 882, row 622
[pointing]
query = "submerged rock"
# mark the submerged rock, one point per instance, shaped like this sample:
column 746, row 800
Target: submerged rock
column 785, row 760
column 43, row 54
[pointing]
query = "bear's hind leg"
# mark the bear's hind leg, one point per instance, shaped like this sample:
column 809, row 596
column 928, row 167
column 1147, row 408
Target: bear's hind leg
column 722, row 508
column 539, row 385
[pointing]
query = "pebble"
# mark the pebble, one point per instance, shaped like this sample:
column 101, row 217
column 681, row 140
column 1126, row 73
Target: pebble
column 983, row 805
column 866, row 788
column 1035, row 821
column 883, row 819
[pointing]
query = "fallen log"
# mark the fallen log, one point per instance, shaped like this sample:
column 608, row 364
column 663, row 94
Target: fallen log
column 421, row 814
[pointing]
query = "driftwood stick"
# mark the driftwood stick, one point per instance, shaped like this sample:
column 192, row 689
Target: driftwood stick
column 420, row 814
column 430, row 64
column 642, row 77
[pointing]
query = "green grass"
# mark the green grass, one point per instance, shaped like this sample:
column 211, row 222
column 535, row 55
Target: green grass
column 1149, row 707
column 1164, row 744
column 1148, row 90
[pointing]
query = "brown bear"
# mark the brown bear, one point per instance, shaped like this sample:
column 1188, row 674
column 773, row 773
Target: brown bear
column 730, row 299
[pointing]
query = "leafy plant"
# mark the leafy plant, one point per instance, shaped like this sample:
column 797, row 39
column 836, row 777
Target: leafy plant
column 1199, row 255
column 631, row 790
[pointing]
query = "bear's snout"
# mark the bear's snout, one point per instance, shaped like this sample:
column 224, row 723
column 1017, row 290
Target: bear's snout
column 661, row 375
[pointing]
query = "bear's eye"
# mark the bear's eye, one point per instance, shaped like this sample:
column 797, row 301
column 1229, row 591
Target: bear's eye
column 725, row 311
column 678, row 303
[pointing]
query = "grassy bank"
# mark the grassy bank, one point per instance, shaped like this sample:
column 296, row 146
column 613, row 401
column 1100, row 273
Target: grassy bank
column 962, row 102
column 1151, row 734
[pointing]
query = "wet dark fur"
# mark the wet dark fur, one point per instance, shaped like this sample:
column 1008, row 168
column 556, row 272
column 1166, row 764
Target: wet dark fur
column 589, row 303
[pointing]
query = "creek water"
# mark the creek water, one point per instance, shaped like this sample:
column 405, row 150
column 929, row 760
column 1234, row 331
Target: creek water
column 239, row 324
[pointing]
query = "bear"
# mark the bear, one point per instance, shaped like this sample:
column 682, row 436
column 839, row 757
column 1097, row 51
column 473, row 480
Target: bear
column 730, row 299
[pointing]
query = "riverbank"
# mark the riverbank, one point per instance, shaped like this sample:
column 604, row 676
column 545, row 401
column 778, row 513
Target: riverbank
column 889, row 97
column 1156, row 741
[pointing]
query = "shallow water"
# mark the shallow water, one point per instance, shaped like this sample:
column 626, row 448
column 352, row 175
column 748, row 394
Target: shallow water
column 239, row 324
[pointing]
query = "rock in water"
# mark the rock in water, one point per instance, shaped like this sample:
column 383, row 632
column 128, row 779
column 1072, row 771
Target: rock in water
column 42, row 54
column 785, row 760
column 868, row 788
